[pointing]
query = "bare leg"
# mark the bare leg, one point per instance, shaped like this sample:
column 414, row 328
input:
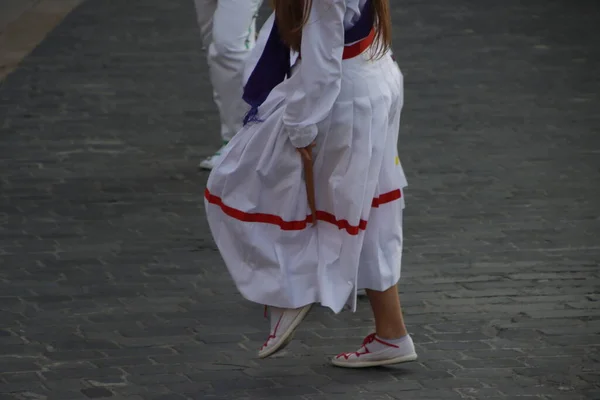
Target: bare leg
column 389, row 322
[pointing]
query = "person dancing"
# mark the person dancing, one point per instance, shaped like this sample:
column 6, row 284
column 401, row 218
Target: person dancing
column 228, row 30
column 305, row 204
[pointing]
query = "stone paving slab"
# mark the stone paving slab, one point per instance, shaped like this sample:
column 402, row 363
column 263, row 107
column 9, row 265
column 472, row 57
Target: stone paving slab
column 23, row 24
column 12, row 10
column 111, row 286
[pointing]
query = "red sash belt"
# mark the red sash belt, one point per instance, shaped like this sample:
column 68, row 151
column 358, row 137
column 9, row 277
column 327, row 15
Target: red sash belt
column 357, row 48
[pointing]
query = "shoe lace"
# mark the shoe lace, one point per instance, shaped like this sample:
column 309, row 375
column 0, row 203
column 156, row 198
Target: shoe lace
column 363, row 349
column 271, row 335
column 369, row 339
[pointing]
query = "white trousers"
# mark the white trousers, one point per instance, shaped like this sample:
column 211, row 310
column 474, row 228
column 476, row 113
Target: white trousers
column 228, row 29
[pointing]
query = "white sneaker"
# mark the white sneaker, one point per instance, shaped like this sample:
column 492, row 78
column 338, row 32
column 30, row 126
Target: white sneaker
column 361, row 292
column 210, row 162
column 284, row 322
column 375, row 352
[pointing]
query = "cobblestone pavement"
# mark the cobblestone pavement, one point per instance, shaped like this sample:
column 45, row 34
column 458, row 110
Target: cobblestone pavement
column 23, row 24
column 111, row 286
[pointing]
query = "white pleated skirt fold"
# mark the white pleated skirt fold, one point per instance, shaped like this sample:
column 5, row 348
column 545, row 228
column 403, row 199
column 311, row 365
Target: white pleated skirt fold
column 257, row 208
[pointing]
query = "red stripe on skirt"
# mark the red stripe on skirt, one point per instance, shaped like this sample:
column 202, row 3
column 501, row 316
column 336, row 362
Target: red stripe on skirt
column 301, row 224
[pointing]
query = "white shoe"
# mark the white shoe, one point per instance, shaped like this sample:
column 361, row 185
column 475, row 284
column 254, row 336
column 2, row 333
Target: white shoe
column 210, row 162
column 361, row 292
column 375, row 352
column 284, row 322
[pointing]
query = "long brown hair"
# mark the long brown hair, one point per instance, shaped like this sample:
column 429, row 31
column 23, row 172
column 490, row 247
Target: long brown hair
column 292, row 15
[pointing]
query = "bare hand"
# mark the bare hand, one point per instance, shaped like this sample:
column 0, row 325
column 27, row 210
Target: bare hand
column 306, row 155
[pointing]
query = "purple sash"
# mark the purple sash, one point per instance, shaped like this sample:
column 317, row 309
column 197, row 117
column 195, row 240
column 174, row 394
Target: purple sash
column 274, row 63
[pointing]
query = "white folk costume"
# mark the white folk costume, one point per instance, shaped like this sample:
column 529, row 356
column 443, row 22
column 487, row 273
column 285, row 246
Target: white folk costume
column 228, row 29
column 256, row 199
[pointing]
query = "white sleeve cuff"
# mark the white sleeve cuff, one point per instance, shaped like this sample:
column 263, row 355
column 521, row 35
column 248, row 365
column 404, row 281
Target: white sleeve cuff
column 301, row 137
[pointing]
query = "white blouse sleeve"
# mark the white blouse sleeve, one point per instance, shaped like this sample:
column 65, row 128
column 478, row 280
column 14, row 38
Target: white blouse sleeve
column 320, row 73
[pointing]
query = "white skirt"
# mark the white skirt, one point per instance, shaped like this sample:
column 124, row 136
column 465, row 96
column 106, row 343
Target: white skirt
column 257, row 207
